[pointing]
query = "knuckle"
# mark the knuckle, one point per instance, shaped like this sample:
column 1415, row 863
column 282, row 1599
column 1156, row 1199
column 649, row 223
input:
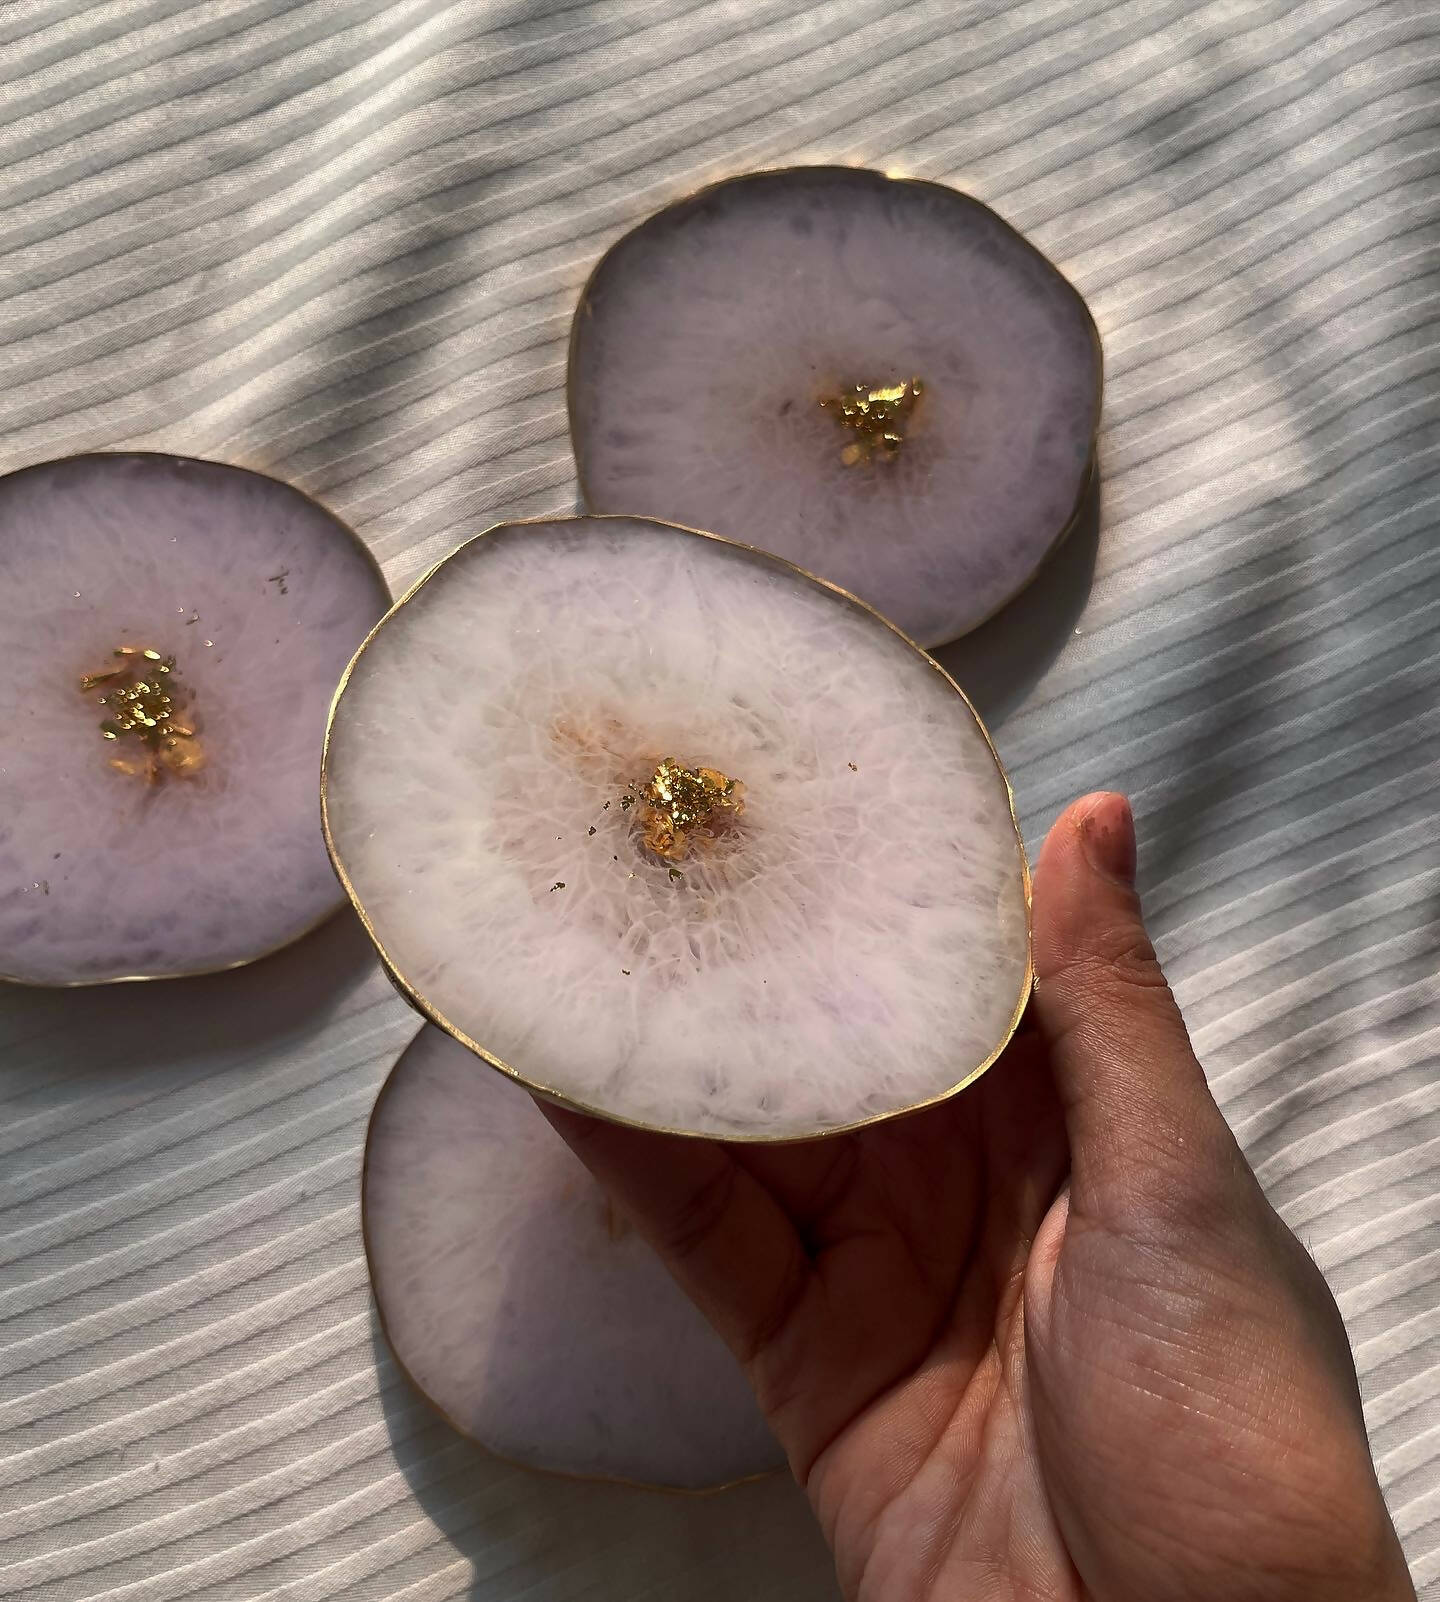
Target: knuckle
column 762, row 1352
column 692, row 1224
column 1118, row 954
column 1194, row 1193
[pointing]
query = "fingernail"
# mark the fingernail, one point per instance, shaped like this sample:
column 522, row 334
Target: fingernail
column 1107, row 832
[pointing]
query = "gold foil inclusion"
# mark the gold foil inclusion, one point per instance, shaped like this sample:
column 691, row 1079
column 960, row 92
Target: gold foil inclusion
column 143, row 703
column 877, row 414
column 676, row 799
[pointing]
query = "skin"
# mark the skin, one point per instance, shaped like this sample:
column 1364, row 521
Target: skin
column 1047, row 1341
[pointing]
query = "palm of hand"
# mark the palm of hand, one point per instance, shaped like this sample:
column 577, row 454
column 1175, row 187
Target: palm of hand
column 872, row 1286
column 919, row 1451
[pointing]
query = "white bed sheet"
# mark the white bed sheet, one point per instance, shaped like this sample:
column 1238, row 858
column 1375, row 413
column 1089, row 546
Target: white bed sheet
column 340, row 240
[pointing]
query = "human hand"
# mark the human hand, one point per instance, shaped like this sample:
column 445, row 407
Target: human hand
column 1048, row 1340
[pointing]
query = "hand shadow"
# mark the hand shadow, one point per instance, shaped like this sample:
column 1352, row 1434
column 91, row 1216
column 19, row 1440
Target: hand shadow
column 998, row 664
column 520, row 1530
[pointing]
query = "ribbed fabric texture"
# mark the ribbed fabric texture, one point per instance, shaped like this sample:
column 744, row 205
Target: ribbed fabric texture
column 341, row 241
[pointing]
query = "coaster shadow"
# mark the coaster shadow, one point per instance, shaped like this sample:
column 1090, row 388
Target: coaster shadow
column 220, row 1017
column 998, row 664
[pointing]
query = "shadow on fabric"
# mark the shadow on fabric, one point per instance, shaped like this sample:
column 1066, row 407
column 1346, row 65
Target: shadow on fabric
column 998, row 664
column 546, row 1536
column 165, row 1026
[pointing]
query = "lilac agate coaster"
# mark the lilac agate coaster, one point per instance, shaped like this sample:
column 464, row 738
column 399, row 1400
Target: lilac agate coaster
column 175, row 630
column 676, row 834
column 876, row 378
column 523, row 1307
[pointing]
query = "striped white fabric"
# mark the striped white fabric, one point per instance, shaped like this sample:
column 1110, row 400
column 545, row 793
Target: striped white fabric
column 341, row 240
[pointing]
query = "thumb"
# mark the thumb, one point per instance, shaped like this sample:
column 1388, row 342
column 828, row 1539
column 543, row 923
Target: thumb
column 1141, row 1120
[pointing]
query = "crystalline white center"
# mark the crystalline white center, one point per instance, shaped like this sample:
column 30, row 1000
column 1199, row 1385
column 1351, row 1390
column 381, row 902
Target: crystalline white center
column 855, row 944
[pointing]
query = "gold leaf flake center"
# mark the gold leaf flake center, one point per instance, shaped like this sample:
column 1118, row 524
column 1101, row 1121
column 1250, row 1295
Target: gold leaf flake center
column 146, row 715
column 877, row 415
column 676, row 800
